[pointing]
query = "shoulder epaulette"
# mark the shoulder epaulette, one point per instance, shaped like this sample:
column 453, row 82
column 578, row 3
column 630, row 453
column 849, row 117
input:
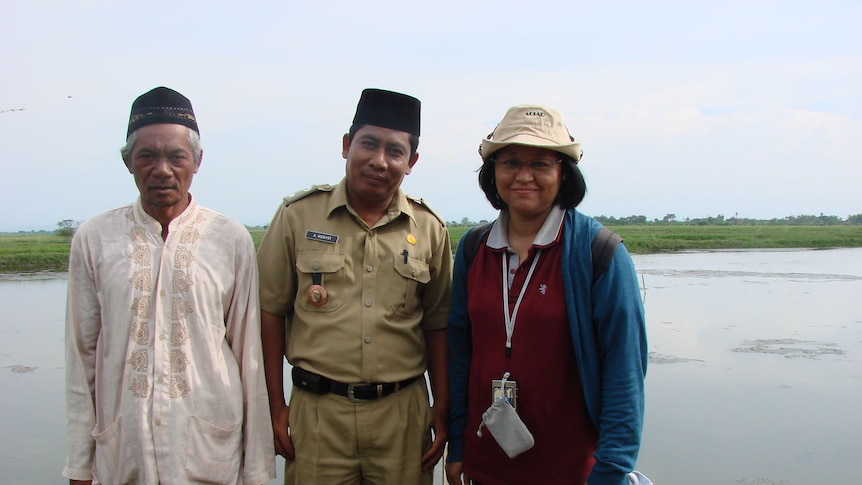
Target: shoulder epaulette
column 306, row 192
column 420, row 201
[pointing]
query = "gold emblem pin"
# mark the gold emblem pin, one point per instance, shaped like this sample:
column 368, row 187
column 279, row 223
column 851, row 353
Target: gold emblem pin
column 411, row 239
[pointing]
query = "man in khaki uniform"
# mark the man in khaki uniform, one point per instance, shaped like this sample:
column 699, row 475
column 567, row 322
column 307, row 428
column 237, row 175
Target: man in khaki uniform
column 355, row 288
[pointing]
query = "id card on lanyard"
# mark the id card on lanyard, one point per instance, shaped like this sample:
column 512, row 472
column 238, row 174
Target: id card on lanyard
column 505, row 388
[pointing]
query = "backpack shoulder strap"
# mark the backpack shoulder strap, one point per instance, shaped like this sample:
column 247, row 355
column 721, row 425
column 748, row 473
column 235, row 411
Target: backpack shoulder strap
column 472, row 240
column 604, row 245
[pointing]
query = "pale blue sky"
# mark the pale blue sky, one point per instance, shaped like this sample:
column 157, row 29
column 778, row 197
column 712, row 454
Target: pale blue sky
column 693, row 108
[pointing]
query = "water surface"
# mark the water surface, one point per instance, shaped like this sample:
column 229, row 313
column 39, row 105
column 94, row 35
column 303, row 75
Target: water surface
column 755, row 373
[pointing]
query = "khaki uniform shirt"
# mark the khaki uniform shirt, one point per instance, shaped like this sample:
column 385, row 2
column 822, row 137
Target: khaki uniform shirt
column 385, row 284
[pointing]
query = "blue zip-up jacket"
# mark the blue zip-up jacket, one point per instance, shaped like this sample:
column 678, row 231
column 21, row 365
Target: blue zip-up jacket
column 608, row 330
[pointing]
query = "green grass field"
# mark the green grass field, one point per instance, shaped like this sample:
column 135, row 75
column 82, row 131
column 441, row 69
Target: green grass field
column 653, row 238
column 28, row 254
column 656, row 238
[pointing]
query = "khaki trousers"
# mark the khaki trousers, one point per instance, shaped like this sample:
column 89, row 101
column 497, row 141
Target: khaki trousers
column 340, row 442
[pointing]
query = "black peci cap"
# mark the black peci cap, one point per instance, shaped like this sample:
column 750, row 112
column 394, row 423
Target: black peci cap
column 161, row 105
column 388, row 109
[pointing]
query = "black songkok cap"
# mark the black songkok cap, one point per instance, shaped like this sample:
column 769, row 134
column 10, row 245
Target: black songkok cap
column 388, row 109
column 162, row 105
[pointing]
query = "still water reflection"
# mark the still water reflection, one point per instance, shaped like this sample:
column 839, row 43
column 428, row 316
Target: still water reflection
column 755, row 373
column 754, row 377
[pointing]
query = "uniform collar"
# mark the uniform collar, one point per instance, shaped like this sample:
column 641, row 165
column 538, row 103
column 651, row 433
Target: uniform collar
column 399, row 205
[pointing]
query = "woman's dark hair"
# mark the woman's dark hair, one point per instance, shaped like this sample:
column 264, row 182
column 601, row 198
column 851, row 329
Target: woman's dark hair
column 572, row 189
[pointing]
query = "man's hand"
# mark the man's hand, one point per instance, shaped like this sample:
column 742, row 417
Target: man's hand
column 281, row 432
column 441, row 435
column 436, row 352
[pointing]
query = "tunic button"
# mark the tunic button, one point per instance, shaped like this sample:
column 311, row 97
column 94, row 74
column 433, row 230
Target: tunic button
column 316, row 266
column 158, row 422
column 368, row 340
column 413, row 273
column 369, row 268
column 161, row 337
column 162, row 293
column 367, row 302
column 161, row 380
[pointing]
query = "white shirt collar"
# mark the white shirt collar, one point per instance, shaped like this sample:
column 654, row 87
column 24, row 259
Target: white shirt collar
column 498, row 239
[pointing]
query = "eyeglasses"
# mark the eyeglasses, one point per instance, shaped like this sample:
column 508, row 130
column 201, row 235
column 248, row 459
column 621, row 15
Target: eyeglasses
column 513, row 165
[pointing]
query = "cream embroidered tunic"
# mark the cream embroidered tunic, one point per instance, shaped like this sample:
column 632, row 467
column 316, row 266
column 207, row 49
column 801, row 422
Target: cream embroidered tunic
column 164, row 370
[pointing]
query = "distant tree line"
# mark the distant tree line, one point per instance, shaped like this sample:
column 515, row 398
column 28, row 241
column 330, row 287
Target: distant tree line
column 719, row 220
column 465, row 222
column 68, row 227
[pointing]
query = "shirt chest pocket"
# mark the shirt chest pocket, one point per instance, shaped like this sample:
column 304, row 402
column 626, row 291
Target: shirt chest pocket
column 326, row 270
column 413, row 275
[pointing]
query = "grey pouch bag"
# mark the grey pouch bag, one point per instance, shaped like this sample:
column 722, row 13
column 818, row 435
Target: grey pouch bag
column 507, row 428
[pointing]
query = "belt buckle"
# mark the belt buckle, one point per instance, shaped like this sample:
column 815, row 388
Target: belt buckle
column 351, row 392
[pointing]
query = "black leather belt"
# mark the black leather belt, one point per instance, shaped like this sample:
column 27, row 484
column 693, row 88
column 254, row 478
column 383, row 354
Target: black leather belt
column 318, row 384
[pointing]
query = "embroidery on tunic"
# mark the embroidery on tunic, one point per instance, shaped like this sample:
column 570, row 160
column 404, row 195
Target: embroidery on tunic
column 190, row 235
column 140, row 386
column 142, row 279
column 180, row 308
column 183, row 258
column 179, row 360
column 141, row 306
column 139, row 360
column 179, row 387
column 141, row 255
column 179, row 334
column 137, row 233
column 141, row 332
column 182, row 282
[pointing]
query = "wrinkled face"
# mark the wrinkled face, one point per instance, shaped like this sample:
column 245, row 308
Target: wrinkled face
column 531, row 189
column 377, row 161
column 163, row 165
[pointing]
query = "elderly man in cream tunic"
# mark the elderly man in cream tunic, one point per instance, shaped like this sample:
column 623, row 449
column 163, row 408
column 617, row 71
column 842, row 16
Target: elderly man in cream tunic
column 164, row 372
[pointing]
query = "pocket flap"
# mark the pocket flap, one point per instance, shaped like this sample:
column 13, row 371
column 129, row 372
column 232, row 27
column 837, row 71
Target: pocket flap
column 315, row 262
column 413, row 269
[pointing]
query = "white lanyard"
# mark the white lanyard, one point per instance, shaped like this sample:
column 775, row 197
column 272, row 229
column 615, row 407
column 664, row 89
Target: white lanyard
column 510, row 318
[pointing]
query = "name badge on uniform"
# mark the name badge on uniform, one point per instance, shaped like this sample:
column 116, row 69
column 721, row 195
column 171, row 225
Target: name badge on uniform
column 321, row 236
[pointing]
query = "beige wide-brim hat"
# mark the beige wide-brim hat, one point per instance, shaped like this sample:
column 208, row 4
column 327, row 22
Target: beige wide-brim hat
column 532, row 125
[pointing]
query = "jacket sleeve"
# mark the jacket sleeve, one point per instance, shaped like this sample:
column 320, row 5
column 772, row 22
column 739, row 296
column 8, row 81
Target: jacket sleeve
column 83, row 325
column 460, row 351
column 619, row 323
column 242, row 325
